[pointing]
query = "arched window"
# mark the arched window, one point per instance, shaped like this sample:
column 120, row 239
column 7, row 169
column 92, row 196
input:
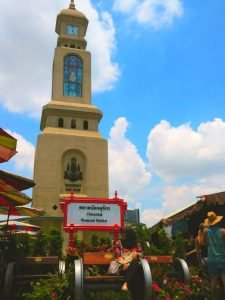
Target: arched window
column 85, row 125
column 73, row 123
column 60, row 123
column 73, row 76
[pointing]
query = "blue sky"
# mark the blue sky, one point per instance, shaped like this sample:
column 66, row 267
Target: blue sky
column 158, row 75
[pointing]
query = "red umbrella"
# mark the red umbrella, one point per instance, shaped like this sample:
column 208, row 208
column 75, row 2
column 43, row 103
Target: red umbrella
column 7, row 146
column 10, row 182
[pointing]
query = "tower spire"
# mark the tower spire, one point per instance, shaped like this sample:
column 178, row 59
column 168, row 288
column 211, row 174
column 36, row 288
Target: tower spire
column 72, row 5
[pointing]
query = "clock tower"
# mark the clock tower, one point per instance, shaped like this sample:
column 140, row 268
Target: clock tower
column 71, row 154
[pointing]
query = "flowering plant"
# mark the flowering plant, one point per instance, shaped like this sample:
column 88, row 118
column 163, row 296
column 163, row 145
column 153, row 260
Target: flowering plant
column 177, row 290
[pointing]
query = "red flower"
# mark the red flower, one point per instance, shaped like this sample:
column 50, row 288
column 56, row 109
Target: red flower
column 54, row 295
column 156, row 287
column 187, row 291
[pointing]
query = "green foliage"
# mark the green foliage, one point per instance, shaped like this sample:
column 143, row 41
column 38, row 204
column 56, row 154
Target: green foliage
column 95, row 240
column 39, row 244
column 161, row 244
column 105, row 241
column 48, row 242
column 165, row 243
column 56, row 287
column 143, row 237
column 180, row 246
column 16, row 245
column 55, row 241
column 107, row 295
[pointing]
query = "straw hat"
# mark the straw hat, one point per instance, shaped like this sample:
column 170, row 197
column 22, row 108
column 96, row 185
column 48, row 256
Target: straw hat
column 212, row 219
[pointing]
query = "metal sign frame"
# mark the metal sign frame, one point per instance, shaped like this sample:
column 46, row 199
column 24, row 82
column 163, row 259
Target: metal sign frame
column 73, row 227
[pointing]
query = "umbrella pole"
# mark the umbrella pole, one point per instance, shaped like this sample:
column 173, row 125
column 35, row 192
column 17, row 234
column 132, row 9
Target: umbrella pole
column 7, row 222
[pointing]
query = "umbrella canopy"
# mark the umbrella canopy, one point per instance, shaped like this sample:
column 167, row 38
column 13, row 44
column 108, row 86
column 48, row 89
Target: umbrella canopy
column 21, row 211
column 10, row 182
column 15, row 226
column 7, row 146
column 13, row 199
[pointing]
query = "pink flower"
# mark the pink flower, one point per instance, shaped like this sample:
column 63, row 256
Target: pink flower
column 165, row 280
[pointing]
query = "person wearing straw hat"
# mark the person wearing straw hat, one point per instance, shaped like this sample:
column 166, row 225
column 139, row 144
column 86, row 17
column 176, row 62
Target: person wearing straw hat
column 214, row 237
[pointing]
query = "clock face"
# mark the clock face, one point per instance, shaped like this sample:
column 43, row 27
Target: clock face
column 72, row 30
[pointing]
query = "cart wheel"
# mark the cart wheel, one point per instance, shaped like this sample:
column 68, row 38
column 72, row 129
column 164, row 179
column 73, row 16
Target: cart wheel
column 147, row 279
column 182, row 270
column 9, row 281
column 79, row 279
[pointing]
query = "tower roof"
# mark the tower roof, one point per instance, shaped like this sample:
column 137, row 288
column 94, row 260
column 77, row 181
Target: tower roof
column 72, row 11
column 72, row 5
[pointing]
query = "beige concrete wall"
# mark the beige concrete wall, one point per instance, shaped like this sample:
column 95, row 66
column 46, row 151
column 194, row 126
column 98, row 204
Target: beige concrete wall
column 48, row 170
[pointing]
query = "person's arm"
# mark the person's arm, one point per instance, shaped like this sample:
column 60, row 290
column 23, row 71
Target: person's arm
column 191, row 252
column 202, row 237
column 223, row 232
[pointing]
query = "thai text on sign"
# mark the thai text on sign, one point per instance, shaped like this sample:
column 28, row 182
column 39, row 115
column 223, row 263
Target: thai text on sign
column 93, row 214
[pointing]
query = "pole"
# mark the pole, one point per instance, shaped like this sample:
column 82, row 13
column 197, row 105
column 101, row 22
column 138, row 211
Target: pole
column 71, row 238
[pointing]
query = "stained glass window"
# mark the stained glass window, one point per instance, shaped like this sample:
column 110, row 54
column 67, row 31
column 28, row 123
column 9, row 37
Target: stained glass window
column 73, row 76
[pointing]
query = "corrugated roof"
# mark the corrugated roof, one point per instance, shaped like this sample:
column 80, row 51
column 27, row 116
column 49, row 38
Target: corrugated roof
column 211, row 199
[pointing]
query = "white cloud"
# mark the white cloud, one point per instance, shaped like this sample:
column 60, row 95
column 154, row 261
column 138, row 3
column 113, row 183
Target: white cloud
column 104, row 72
column 181, row 152
column 173, row 197
column 155, row 13
column 27, row 48
column 24, row 159
column 151, row 216
column 22, row 163
column 124, row 6
column 127, row 170
column 178, row 197
column 188, row 163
